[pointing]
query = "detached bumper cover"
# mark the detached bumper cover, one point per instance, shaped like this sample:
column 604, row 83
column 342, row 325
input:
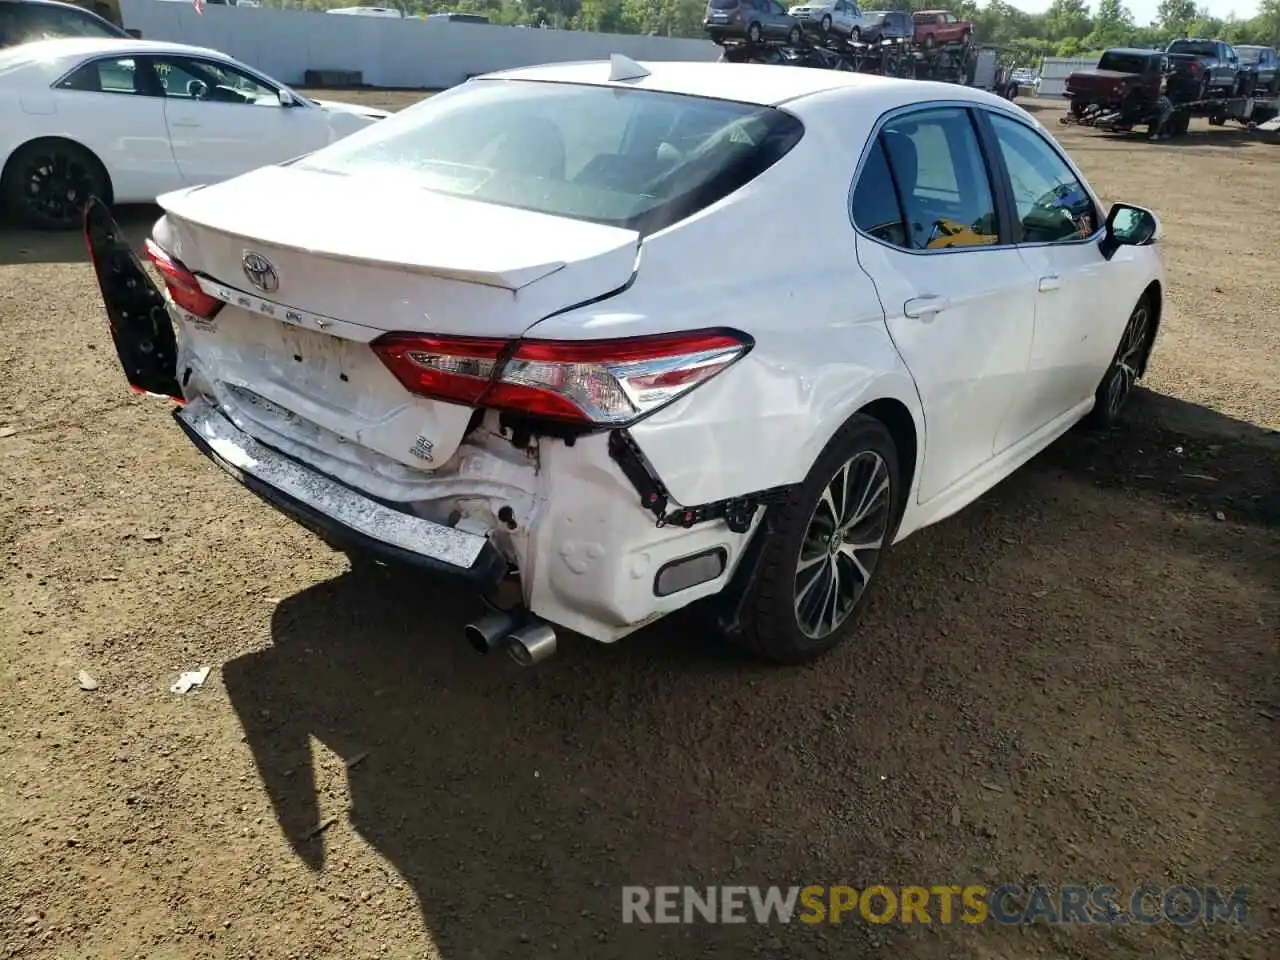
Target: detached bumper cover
column 336, row 512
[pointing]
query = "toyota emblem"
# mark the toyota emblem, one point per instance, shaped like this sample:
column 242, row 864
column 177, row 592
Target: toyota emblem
column 260, row 272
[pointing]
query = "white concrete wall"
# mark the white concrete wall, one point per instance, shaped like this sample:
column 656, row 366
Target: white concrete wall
column 1053, row 77
column 390, row 53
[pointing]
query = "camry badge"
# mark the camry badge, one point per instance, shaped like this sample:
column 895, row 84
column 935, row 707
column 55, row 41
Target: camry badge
column 260, row 272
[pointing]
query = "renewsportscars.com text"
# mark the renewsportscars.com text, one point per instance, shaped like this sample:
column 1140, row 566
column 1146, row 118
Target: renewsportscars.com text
column 946, row 904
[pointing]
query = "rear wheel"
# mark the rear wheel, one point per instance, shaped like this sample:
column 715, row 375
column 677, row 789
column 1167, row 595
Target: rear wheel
column 821, row 557
column 47, row 183
column 826, row 23
column 753, row 32
column 793, row 36
column 856, row 34
column 1126, row 366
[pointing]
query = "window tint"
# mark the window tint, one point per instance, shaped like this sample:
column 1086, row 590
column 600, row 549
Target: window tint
column 631, row 158
column 1052, row 204
column 113, row 75
column 185, row 79
column 942, row 179
column 875, row 201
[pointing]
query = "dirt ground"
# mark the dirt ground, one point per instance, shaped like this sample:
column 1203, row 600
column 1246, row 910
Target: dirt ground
column 1074, row 680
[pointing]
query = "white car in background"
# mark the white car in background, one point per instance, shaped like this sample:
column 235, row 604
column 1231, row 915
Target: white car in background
column 128, row 120
column 640, row 335
column 833, row 16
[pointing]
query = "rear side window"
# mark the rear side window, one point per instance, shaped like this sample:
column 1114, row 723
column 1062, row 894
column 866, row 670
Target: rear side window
column 876, row 211
column 942, row 179
column 623, row 157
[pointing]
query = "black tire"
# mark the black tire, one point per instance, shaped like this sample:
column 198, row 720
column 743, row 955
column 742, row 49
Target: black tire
column 1127, row 366
column 753, row 32
column 793, row 36
column 47, row 183
column 771, row 627
column 855, row 35
column 826, row 23
column 929, row 41
column 1180, row 124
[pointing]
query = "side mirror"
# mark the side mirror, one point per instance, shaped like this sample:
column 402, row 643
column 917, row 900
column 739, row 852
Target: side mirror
column 1128, row 226
column 286, row 99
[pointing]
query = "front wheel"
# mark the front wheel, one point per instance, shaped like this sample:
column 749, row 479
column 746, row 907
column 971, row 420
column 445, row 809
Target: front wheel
column 822, row 553
column 1126, row 367
column 47, row 184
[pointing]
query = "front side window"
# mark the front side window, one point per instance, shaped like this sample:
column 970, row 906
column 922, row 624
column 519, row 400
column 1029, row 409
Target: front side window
column 631, row 158
column 1052, row 204
column 108, row 75
column 942, row 179
column 187, row 79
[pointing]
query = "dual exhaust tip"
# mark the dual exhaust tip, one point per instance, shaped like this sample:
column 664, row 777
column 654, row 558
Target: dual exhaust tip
column 526, row 639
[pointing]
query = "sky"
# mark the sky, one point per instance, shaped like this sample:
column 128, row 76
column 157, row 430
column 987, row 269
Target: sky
column 1144, row 11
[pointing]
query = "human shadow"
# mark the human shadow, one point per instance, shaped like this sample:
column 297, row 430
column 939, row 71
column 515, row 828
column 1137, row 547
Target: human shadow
column 517, row 803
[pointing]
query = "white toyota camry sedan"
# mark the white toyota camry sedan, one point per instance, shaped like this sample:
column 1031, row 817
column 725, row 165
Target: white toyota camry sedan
column 128, row 120
column 637, row 336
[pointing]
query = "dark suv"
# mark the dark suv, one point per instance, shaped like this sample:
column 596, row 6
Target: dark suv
column 751, row 20
column 22, row 21
column 886, row 25
column 1259, row 71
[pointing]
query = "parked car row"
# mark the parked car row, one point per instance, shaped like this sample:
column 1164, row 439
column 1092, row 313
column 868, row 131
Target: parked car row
column 1204, row 67
column 762, row 20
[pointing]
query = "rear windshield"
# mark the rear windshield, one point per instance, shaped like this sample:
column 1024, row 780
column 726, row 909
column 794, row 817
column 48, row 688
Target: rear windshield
column 1199, row 48
column 1250, row 54
column 724, row 4
column 26, row 22
column 1124, row 62
column 624, row 157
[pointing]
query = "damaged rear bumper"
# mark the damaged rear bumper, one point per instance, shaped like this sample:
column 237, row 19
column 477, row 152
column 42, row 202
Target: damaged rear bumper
column 337, row 513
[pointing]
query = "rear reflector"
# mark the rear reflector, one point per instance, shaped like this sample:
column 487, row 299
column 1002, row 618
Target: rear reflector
column 605, row 382
column 182, row 285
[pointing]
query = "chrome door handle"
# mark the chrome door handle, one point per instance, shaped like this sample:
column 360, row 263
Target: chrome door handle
column 925, row 308
column 184, row 123
column 1050, row 283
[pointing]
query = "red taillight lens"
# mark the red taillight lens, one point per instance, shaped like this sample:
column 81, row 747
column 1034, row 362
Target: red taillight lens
column 182, row 284
column 1195, row 66
column 457, row 369
column 605, row 382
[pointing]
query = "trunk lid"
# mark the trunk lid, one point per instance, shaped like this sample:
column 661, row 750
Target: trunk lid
column 358, row 250
column 341, row 261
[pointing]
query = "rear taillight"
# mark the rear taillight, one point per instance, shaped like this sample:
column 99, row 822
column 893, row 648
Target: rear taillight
column 605, row 382
column 181, row 283
column 1195, row 66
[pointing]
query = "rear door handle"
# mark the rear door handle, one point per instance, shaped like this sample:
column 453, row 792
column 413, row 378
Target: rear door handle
column 184, row 123
column 925, row 308
column 1050, row 283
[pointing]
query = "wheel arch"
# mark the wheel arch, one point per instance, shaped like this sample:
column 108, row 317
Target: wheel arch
column 1154, row 291
column 6, row 170
column 897, row 419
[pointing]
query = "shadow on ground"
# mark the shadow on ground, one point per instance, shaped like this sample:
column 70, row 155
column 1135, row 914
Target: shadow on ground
column 20, row 246
column 929, row 750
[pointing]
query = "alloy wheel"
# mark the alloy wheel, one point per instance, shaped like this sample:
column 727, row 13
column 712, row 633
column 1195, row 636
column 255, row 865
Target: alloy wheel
column 56, row 185
column 1128, row 358
column 842, row 544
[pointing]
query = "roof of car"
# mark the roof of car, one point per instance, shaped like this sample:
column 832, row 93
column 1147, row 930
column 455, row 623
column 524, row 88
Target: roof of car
column 65, row 48
column 1135, row 51
column 763, row 84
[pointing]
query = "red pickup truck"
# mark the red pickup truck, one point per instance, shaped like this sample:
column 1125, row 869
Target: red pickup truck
column 936, row 27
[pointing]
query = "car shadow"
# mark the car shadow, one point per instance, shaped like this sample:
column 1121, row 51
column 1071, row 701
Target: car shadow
column 517, row 803
column 19, row 245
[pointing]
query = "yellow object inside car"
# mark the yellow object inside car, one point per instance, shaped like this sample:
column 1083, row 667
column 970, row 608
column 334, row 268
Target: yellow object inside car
column 953, row 234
